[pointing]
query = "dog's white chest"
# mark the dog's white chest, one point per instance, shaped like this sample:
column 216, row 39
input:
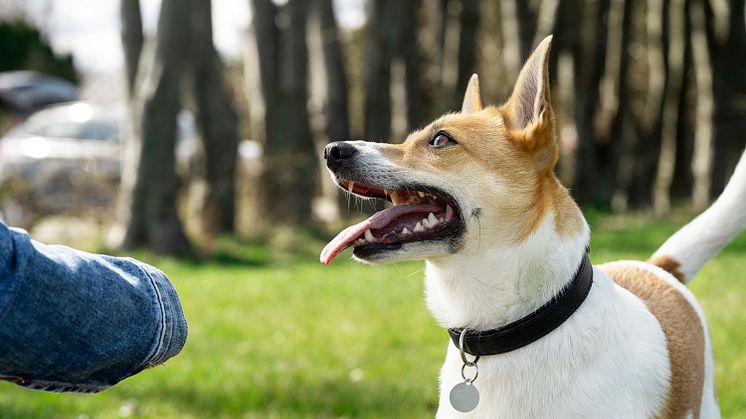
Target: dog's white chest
column 585, row 368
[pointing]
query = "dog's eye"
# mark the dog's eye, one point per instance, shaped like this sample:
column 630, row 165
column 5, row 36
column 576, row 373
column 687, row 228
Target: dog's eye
column 441, row 139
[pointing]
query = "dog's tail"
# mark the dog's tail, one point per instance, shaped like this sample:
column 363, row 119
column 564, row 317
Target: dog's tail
column 684, row 253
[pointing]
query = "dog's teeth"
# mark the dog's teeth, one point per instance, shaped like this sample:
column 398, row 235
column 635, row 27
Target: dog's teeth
column 421, row 194
column 433, row 220
column 369, row 236
column 449, row 212
column 442, row 219
column 426, row 223
column 350, row 186
column 405, row 231
column 418, row 228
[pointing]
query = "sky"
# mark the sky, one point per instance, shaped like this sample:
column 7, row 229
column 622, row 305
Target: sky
column 90, row 28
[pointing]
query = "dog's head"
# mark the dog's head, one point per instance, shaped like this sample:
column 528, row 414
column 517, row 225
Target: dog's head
column 483, row 176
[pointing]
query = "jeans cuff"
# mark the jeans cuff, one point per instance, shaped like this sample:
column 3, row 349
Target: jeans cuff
column 173, row 330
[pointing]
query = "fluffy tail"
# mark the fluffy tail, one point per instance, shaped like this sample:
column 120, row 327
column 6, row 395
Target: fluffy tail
column 684, row 253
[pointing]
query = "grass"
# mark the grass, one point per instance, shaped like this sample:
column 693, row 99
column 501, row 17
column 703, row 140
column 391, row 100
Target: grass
column 295, row 339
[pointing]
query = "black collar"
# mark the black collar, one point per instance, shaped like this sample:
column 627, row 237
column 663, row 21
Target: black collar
column 536, row 325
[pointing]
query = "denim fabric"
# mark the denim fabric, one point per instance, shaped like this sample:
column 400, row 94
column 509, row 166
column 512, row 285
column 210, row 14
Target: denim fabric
column 75, row 321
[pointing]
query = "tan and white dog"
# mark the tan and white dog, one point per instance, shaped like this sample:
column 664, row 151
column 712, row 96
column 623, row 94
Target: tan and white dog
column 476, row 197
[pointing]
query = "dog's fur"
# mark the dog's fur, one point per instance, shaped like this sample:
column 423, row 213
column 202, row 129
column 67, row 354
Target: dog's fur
column 638, row 347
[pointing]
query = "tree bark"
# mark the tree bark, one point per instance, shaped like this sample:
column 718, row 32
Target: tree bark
column 152, row 220
column 378, row 57
column 289, row 161
column 703, row 141
column 218, row 124
column 334, row 104
column 132, row 39
column 669, row 120
column 727, row 40
column 409, row 53
column 392, row 45
column 589, row 58
column 329, row 98
column 632, row 85
column 457, row 52
column 518, row 23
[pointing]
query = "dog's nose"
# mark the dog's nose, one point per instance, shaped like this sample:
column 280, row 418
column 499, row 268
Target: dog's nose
column 336, row 153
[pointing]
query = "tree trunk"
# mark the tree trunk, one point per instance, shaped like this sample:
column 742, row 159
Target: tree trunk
column 335, row 106
column 669, row 121
column 633, row 82
column 132, row 39
column 132, row 44
column 391, row 46
column 519, row 24
column 610, row 136
column 378, row 57
column 330, row 117
column 457, row 52
column 409, row 54
column 467, row 49
column 218, row 124
column 589, row 58
column 290, row 160
column 152, row 220
column 702, row 159
column 649, row 119
column 727, row 36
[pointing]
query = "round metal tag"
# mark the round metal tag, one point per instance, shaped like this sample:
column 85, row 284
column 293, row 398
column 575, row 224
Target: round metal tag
column 464, row 397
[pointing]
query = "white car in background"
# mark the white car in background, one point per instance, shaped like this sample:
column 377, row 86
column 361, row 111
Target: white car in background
column 66, row 160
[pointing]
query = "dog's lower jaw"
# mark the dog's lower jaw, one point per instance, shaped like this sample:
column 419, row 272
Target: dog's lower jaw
column 410, row 251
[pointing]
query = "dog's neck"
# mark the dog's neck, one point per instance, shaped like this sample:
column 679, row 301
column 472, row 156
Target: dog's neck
column 490, row 287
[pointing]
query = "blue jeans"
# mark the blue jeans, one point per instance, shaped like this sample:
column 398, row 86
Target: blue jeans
column 75, row 321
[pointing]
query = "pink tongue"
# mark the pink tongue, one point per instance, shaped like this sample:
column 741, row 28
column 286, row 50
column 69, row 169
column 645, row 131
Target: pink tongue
column 377, row 221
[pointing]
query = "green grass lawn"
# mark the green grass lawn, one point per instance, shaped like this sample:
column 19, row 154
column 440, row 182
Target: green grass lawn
column 295, row 339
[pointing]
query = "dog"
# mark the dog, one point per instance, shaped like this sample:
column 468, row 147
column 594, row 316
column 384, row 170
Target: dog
column 474, row 194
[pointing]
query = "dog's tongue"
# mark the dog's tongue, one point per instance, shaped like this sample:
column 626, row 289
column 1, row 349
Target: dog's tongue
column 378, row 220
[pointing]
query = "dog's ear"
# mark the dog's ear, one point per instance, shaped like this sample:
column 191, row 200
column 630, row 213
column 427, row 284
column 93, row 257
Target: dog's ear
column 530, row 99
column 472, row 97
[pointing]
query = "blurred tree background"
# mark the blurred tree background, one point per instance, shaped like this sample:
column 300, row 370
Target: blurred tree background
column 218, row 146
column 650, row 97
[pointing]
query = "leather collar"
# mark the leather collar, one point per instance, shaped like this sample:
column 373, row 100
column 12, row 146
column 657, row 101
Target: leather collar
column 536, row 325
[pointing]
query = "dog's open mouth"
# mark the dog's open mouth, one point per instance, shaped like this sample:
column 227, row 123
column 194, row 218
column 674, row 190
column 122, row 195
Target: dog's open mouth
column 418, row 213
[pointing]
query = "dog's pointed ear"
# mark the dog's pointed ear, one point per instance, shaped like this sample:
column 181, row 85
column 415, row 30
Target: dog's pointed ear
column 472, row 98
column 530, row 96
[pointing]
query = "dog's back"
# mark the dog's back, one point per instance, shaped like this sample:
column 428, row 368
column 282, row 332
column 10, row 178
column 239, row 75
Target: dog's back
column 660, row 284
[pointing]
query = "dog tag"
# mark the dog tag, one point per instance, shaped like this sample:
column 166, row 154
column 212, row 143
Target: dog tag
column 464, row 397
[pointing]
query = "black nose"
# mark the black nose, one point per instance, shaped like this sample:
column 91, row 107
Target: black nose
column 336, row 153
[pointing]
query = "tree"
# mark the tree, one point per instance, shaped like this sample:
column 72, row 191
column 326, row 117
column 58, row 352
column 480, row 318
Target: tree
column 148, row 208
column 217, row 121
column 455, row 24
column 726, row 33
column 392, row 55
column 290, row 160
column 329, row 95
